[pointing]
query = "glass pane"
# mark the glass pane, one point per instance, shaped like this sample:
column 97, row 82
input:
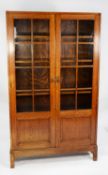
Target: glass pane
column 41, row 78
column 85, row 51
column 23, row 52
column 41, row 52
column 68, row 78
column 86, row 30
column 22, row 30
column 23, row 79
column 67, row 100
column 41, row 30
column 41, row 65
column 84, row 77
column 24, row 103
column 84, row 100
column 42, row 102
column 68, row 54
column 68, row 27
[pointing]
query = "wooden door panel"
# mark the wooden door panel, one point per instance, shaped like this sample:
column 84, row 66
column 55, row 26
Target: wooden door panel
column 33, row 133
column 73, row 129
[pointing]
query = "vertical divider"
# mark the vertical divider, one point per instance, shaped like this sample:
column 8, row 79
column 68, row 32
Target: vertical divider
column 76, row 92
column 32, row 54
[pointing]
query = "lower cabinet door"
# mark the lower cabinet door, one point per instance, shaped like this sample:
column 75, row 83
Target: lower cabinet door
column 74, row 131
column 35, row 133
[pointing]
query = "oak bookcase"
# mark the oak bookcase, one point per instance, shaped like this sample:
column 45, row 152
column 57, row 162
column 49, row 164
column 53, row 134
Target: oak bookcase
column 53, row 83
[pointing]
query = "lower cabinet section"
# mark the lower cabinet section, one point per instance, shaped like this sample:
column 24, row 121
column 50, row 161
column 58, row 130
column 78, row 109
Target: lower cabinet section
column 34, row 138
column 37, row 133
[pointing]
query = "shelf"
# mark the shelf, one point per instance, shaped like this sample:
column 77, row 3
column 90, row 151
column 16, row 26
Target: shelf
column 24, row 94
column 23, row 42
column 24, row 90
column 67, row 89
column 72, row 92
column 75, row 89
column 35, row 61
column 41, row 90
column 39, row 67
column 78, row 66
column 38, row 90
column 35, row 36
column 64, row 91
column 85, row 60
column 23, row 67
column 69, row 92
column 85, row 36
column 75, row 36
column 30, row 67
column 42, row 93
column 46, row 61
column 79, row 42
column 29, row 42
column 23, row 36
column 73, row 61
column 30, row 94
column 23, row 61
column 84, row 92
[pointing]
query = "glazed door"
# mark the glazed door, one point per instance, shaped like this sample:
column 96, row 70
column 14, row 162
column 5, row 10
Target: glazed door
column 74, row 72
column 34, row 93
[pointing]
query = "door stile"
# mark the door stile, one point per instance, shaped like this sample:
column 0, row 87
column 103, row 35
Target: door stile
column 52, row 78
column 58, row 51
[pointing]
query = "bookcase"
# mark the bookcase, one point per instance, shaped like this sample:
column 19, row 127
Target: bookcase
column 53, row 83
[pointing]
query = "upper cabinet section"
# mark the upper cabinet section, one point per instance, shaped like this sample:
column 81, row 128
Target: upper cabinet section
column 54, row 53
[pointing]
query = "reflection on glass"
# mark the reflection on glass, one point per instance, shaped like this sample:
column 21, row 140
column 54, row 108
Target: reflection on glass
column 22, row 30
column 41, row 65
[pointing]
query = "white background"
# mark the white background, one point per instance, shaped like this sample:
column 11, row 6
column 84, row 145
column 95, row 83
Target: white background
column 78, row 164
